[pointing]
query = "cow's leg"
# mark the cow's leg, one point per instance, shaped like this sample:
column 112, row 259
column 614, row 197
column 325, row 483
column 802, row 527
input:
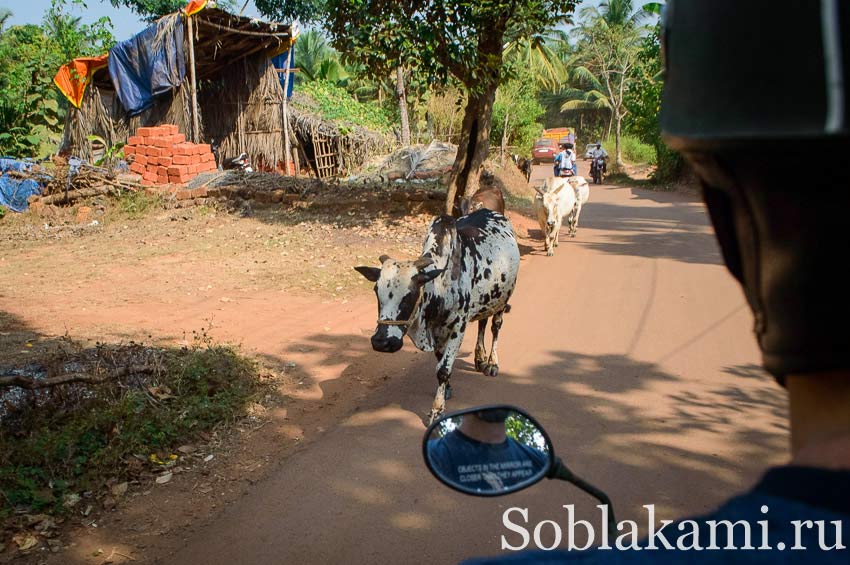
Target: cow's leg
column 574, row 219
column 480, row 350
column 557, row 234
column 492, row 368
column 444, row 373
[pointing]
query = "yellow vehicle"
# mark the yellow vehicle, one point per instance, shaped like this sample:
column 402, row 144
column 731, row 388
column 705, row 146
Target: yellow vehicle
column 560, row 135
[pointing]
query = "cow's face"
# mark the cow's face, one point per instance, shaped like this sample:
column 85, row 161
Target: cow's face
column 550, row 202
column 398, row 286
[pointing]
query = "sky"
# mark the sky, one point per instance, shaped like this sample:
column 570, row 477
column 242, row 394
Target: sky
column 125, row 23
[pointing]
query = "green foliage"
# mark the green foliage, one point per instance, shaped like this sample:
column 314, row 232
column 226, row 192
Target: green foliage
column 461, row 38
column 2, row 212
column 643, row 101
column 31, row 109
column 70, row 37
column 317, row 60
column 337, row 104
column 634, row 150
column 517, row 98
column 305, row 11
column 154, row 9
column 136, row 204
column 111, row 154
column 29, row 105
column 59, row 446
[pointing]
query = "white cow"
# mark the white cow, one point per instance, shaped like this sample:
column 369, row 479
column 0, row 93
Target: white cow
column 582, row 191
column 467, row 273
column 554, row 202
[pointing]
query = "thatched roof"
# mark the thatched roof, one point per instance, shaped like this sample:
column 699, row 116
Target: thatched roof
column 222, row 38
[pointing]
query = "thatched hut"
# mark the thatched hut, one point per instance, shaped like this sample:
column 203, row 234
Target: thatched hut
column 232, row 91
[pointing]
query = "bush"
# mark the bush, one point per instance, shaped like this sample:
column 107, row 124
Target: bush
column 73, row 438
column 336, row 104
column 518, row 99
column 634, row 150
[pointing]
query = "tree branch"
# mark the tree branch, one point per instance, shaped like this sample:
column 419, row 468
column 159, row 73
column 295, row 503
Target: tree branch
column 32, row 383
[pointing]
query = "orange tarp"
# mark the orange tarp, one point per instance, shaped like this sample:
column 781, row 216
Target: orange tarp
column 73, row 78
column 194, row 6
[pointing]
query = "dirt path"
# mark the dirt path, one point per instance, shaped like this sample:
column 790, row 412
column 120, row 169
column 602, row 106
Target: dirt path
column 631, row 345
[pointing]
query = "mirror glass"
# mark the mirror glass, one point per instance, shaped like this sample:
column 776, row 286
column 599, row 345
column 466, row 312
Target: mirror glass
column 488, row 451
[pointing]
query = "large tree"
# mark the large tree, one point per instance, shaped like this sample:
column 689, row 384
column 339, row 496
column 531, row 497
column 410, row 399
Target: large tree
column 464, row 39
column 460, row 38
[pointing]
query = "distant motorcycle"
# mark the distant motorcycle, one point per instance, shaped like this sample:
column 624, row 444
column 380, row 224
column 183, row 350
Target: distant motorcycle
column 597, row 169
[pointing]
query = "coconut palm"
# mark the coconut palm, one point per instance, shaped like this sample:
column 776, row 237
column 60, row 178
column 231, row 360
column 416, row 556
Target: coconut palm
column 541, row 55
column 622, row 13
column 317, row 60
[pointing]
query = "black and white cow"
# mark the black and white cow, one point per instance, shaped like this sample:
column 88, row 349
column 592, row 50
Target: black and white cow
column 466, row 273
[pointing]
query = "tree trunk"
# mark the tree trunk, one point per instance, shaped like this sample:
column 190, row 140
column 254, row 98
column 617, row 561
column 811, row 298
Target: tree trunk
column 504, row 140
column 618, row 152
column 402, row 106
column 473, row 148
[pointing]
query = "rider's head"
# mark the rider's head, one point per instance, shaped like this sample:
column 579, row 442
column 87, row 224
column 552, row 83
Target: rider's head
column 599, row 146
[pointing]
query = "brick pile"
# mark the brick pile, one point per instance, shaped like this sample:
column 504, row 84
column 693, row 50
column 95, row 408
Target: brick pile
column 162, row 156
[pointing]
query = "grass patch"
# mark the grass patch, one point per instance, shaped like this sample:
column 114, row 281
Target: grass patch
column 634, row 150
column 136, row 204
column 67, row 440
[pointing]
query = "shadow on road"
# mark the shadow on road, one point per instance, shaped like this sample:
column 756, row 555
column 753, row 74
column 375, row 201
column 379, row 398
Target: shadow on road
column 601, row 410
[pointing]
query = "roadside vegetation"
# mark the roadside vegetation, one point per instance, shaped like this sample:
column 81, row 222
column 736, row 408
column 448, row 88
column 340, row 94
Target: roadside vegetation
column 80, row 421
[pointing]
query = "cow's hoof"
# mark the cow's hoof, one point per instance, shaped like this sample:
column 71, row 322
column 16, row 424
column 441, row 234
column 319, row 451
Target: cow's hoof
column 491, row 370
column 448, row 392
column 479, row 365
column 572, row 235
column 549, row 253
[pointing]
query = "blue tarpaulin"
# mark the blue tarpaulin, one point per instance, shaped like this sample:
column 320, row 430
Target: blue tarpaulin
column 279, row 63
column 141, row 69
column 14, row 192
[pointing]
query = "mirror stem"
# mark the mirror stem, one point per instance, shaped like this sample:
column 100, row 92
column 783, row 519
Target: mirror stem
column 560, row 471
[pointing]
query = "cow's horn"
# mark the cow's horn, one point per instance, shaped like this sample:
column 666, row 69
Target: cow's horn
column 424, row 261
column 383, row 258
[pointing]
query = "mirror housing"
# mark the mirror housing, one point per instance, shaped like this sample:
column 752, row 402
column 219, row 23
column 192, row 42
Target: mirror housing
column 488, row 450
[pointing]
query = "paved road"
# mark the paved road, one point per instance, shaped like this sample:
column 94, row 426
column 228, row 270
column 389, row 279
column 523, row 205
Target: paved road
column 631, row 345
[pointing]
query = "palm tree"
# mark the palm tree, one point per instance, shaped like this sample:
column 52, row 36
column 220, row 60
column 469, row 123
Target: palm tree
column 5, row 14
column 541, row 55
column 317, row 60
column 622, row 13
column 583, row 92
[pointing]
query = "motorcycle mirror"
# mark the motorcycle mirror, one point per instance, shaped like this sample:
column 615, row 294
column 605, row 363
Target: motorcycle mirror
column 488, row 450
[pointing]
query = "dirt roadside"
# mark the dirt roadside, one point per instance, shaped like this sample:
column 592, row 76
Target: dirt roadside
column 264, row 279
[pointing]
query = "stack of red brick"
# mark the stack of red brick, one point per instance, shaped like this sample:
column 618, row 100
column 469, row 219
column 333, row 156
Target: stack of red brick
column 163, row 156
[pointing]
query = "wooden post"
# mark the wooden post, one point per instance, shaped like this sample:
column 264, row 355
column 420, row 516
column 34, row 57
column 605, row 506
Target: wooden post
column 286, row 145
column 194, row 85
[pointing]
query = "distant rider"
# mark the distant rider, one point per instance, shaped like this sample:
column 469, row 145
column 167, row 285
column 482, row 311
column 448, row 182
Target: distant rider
column 598, row 152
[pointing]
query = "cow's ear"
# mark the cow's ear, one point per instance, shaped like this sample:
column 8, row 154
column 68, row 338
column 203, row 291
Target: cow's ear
column 371, row 273
column 383, row 259
column 422, row 278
